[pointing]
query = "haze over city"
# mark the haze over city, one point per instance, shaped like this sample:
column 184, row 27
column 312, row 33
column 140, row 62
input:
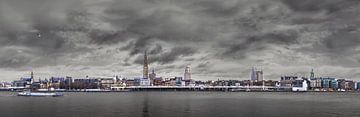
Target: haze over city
column 218, row 39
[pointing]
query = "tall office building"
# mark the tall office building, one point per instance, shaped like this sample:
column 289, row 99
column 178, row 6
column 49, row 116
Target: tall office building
column 253, row 74
column 146, row 67
column 256, row 75
column 187, row 74
column 259, row 75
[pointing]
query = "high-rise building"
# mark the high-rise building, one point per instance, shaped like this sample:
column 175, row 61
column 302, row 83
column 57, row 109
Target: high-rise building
column 146, row 67
column 253, row 74
column 259, row 75
column 187, row 74
column 256, row 75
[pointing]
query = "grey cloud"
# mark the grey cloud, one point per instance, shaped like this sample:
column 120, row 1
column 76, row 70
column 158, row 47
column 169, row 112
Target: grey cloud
column 168, row 57
column 158, row 49
column 239, row 48
column 319, row 5
column 102, row 37
column 11, row 59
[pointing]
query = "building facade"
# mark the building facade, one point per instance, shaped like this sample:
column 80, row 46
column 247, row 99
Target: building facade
column 187, row 74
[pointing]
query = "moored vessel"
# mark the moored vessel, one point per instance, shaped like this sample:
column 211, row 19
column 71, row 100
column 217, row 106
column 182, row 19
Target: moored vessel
column 40, row 94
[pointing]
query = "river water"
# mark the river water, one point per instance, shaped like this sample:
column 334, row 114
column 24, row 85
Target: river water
column 183, row 104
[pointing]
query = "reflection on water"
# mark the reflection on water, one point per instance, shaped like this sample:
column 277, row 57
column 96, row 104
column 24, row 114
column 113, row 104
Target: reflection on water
column 182, row 104
column 145, row 110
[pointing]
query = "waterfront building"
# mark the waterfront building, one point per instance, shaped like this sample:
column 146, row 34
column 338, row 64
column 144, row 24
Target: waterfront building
column 300, row 85
column 86, row 83
column 107, row 83
column 349, row 85
column 144, row 82
column 137, row 81
column 287, row 81
column 36, row 85
column 178, row 81
column 118, row 82
column 199, row 83
column 146, row 67
column 5, row 84
column 158, row 81
column 325, row 83
column 129, row 82
column 190, row 82
column 57, row 82
column 355, row 85
column 28, row 80
column 44, row 84
column 334, row 84
column 246, row 83
column 328, row 84
column 187, row 74
column 183, row 83
column 152, row 76
column 68, row 82
column 315, row 83
column 341, row 84
column 173, row 82
column 19, row 83
column 170, row 82
column 270, row 83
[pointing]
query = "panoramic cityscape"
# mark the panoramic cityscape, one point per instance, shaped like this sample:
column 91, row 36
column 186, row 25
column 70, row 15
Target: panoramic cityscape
column 179, row 58
column 151, row 82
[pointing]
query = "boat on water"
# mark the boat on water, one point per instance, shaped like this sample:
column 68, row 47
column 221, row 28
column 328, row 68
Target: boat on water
column 40, row 94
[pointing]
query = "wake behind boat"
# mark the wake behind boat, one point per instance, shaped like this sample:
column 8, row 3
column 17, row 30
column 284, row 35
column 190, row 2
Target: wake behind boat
column 40, row 94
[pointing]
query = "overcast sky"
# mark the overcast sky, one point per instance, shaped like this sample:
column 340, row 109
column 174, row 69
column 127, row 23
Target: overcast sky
column 219, row 39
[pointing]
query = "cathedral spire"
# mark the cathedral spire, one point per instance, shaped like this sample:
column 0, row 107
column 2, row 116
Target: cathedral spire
column 146, row 67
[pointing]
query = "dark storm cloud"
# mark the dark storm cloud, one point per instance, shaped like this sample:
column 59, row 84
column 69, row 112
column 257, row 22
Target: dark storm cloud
column 11, row 59
column 138, row 46
column 339, row 43
column 158, row 49
column 168, row 57
column 174, row 54
column 105, row 37
column 238, row 49
column 318, row 5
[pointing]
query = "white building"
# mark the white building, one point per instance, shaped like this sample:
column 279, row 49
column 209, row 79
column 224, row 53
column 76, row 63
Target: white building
column 144, row 82
column 302, row 87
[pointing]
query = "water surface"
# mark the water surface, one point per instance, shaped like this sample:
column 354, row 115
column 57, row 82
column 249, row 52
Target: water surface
column 183, row 104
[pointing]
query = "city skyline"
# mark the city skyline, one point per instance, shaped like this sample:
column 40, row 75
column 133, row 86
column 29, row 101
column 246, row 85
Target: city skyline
column 218, row 39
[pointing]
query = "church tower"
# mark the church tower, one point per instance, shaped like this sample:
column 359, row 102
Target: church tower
column 187, row 74
column 146, row 67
